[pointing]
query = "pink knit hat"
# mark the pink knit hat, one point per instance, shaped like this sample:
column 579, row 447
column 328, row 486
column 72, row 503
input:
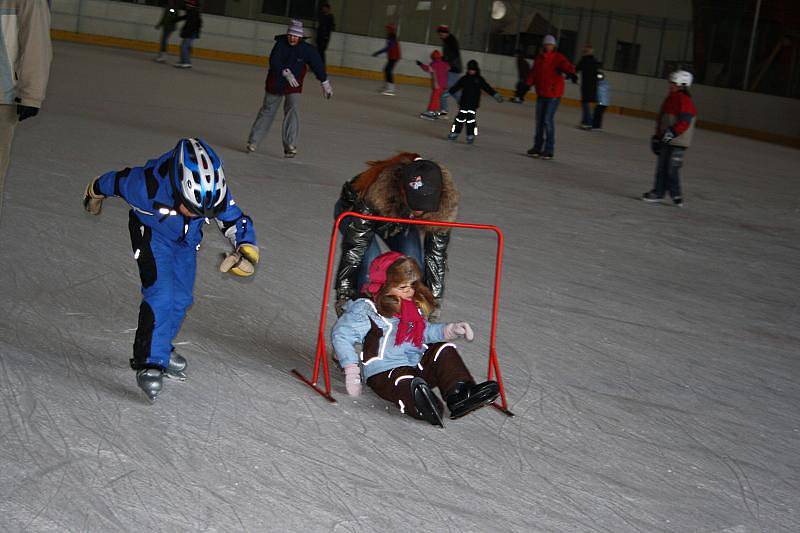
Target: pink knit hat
column 377, row 272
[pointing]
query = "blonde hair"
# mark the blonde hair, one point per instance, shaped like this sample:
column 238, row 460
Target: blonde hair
column 404, row 270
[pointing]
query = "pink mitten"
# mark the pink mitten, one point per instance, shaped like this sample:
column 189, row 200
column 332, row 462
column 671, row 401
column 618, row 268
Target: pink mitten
column 458, row 329
column 352, row 379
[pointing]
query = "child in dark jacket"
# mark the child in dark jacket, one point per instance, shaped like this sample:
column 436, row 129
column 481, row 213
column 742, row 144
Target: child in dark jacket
column 471, row 84
column 403, row 355
column 392, row 51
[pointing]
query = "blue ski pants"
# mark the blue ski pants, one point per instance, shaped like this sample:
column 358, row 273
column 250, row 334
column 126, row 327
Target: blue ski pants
column 167, row 271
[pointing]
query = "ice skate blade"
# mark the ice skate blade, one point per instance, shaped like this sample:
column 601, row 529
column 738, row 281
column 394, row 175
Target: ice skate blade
column 483, row 397
column 178, row 375
column 426, row 403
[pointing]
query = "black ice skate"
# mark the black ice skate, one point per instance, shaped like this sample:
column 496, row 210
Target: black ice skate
column 652, row 197
column 466, row 397
column 149, row 380
column 426, row 402
column 176, row 369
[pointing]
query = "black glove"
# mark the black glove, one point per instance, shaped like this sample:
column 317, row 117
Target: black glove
column 655, row 144
column 26, row 111
column 419, row 63
column 573, row 78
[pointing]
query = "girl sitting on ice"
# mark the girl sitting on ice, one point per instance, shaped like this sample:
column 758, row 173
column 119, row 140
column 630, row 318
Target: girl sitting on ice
column 403, row 355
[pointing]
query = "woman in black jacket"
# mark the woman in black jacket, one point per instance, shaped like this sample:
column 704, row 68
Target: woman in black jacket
column 588, row 67
column 404, row 186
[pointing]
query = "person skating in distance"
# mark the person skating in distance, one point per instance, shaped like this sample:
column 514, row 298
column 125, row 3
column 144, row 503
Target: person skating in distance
column 404, row 356
column 289, row 61
column 470, row 86
column 673, row 135
column 171, row 199
column 404, row 186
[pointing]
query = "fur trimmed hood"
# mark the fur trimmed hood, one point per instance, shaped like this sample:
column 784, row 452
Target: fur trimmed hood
column 386, row 197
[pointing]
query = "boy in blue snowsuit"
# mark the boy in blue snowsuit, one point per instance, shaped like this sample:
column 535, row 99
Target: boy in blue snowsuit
column 172, row 198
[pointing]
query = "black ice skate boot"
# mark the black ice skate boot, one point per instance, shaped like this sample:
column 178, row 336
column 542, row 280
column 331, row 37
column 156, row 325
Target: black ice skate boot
column 426, row 402
column 466, row 397
column 149, row 380
column 176, row 369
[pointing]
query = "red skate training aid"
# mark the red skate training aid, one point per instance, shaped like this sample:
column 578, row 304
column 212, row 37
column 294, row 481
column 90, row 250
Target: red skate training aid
column 321, row 357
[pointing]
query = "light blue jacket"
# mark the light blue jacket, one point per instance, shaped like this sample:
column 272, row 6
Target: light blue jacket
column 603, row 97
column 354, row 326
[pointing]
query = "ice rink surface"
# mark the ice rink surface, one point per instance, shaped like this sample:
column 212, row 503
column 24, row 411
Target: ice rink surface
column 650, row 353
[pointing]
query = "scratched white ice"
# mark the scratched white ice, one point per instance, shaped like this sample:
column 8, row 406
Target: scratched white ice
column 650, row 353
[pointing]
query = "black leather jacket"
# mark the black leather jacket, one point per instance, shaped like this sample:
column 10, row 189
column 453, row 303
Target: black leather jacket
column 357, row 235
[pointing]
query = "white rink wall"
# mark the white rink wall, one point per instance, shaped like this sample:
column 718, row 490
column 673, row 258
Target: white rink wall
column 772, row 114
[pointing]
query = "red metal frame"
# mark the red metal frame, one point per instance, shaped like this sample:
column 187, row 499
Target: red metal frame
column 494, row 365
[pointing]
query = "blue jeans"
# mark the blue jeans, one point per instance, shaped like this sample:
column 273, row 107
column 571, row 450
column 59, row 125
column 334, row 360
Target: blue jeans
column 164, row 40
column 452, row 78
column 668, row 178
column 586, row 116
column 186, row 51
column 407, row 242
column 545, row 124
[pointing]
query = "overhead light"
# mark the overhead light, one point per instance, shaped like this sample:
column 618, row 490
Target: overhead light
column 498, row 9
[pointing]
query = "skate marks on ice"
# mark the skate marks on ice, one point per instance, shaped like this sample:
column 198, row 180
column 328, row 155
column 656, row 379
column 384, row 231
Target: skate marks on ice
column 647, row 354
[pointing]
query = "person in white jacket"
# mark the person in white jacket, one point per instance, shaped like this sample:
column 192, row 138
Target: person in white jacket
column 24, row 68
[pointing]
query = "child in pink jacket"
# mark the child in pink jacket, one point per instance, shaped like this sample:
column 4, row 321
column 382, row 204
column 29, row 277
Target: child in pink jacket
column 438, row 70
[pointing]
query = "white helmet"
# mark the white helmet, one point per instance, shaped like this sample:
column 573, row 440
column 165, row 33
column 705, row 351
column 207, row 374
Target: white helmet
column 681, row 78
column 199, row 175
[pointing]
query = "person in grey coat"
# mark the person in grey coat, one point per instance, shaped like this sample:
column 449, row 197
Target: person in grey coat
column 24, row 68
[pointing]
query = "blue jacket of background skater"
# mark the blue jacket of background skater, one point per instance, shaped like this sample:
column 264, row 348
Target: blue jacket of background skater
column 356, row 322
column 152, row 195
column 295, row 58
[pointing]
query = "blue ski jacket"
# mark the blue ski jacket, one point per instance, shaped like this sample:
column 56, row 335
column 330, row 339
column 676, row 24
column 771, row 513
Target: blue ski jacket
column 296, row 58
column 151, row 193
column 359, row 320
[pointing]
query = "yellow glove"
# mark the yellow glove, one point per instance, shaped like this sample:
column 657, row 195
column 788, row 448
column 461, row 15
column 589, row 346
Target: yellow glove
column 249, row 252
column 92, row 202
column 236, row 264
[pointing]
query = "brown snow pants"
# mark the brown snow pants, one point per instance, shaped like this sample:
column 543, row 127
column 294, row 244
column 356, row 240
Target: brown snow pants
column 441, row 366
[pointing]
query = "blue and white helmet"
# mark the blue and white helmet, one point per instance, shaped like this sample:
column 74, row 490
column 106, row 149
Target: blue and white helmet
column 200, row 178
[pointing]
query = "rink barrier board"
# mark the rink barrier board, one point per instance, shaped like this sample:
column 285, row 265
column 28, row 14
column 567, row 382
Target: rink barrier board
column 321, row 357
column 235, row 57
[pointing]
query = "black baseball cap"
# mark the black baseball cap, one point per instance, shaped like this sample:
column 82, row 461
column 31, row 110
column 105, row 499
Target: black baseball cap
column 422, row 183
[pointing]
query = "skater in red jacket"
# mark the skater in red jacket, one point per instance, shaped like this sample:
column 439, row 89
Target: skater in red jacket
column 392, row 51
column 547, row 76
column 674, row 130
